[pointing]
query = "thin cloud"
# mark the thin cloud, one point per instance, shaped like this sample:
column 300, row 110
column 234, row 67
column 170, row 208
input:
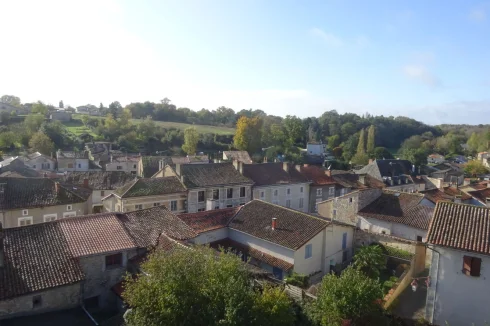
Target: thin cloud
column 421, row 74
column 328, row 38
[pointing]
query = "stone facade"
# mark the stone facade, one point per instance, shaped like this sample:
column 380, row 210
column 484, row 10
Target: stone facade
column 293, row 195
column 319, row 194
column 118, row 204
column 59, row 298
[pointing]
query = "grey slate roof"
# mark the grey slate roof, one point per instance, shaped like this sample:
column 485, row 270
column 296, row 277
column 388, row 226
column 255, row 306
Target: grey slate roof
column 387, row 168
column 151, row 187
column 151, row 164
column 100, row 180
column 17, row 193
column 213, row 174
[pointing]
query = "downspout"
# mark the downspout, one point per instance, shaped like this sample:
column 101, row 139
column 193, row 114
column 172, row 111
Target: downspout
column 432, row 290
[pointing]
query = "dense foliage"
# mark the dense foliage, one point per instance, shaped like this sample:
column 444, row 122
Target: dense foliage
column 369, row 260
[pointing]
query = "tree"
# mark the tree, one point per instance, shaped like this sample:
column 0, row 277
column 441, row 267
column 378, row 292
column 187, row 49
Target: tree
column 337, row 152
column 370, row 260
column 10, row 99
column 41, row 143
column 40, row 108
column 294, row 129
column 191, row 137
column 61, row 105
column 381, row 153
column 115, row 108
column 33, row 122
column 352, row 296
column 5, row 117
column 147, row 128
column 361, row 146
column 248, row 134
column 360, row 159
column 333, row 141
column 371, row 142
column 418, row 157
column 475, row 168
column 347, row 130
column 8, row 139
column 197, row 287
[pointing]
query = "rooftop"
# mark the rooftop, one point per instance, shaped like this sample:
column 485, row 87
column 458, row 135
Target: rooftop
column 399, row 207
column 82, row 154
column 203, row 175
column 151, row 187
column 190, row 159
column 273, row 174
column 151, row 164
column 100, row 180
column 317, row 174
column 460, row 226
column 209, row 220
column 293, row 229
column 125, row 158
column 387, row 168
column 481, row 194
column 241, row 156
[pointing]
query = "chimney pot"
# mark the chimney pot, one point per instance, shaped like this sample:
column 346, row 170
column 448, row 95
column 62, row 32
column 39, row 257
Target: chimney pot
column 371, row 161
column 274, row 223
column 298, row 168
column 328, row 172
column 85, row 183
column 285, row 166
column 57, row 187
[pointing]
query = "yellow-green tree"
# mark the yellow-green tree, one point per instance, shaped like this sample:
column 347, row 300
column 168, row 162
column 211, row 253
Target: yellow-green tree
column 475, row 167
column 191, row 137
column 41, row 143
column 248, row 134
column 361, row 146
column 371, row 142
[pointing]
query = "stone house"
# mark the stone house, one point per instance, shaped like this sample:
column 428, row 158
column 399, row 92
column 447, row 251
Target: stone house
column 484, row 157
column 81, row 259
column 458, row 239
column 128, row 164
column 15, row 165
column 395, row 174
column 100, row 183
column 276, row 239
column 211, row 186
column 26, row 201
column 314, row 148
column 60, row 115
column 240, row 156
column 148, row 192
column 435, row 158
column 73, row 161
column 38, row 162
column 149, row 165
column 278, row 183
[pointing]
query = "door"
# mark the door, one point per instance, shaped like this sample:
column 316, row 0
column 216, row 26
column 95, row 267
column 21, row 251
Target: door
column 277, row 273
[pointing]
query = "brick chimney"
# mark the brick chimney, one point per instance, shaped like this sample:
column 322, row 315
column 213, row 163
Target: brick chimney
column 371, row 160
column 2, row 254
column 238, row 166
column 85, row 183
column 177, row 169
column 298, row 168
column 274, row 223
column 362, row 179
column 285, row 166
column 57, row 187
column 328, row 172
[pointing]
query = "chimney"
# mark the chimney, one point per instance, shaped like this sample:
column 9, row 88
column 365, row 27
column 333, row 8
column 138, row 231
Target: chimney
column 306, row 165
column 328, row 172
column 177, row 169
column 392, row 182
column 298, row 168
column 362, row 178
column 285, row 166
column 265, row 159
column 2, row 256
column 45, row 175
column 457, row 199
column 274, row 223
column 85, row 183
column 371, row 161
column 57, row 187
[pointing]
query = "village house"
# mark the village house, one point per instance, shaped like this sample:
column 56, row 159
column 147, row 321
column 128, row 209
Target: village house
column 315, row 148
column 60, row 115
column 149, row 165
column 38, row 162
column 241, row 156
column 278, row 183
column 125, row 163
column 448, row 172
column 146, row 193
column 74, row 161
column 26, row 201
column 459, row 240
column 481, row 196
column 70, row 262
column 15, row 166
column 277, row 239
column 435, row 158
column 450, row 193
column 395, row 174
column 101, row 184
column 211, row 186
column 322, row 185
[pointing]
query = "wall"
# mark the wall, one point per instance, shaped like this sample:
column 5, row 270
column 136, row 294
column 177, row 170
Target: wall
column 314, row 199
column 38, row 163
column 210, row 236
column 395, row 229
column 129, row 167
column 458, row 299
column 59, row 298
column 363, row 238
column 63, row 164
column 334, row 235
column 209, row 203
column 128, row 204
column 282, row 196
column 315, row 262
column 11, row 217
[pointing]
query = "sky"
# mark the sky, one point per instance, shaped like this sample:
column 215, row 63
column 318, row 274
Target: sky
column 428, row 60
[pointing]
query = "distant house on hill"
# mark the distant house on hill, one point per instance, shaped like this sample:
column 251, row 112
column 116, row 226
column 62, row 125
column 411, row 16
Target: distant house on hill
column 241, row 156
column 435, row 158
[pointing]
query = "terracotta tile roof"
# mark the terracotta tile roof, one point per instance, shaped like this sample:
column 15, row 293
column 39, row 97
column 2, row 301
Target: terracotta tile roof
column 453, row 191
column 209, row 220
column 293, row 229
column 190, row 159
column 151, row 164
column 447, row 193
column 17, row 193
column 481, row 195
column 273, row 173
column 151, row 187
column 125, row 158
column 317, row 174
column 82, row 154
column 240, row 248
column 100, row 180
column 213, row 174
column 480, row 185
column 399, row 207
column 37, row 257
column 461, row 226
column 241, row 156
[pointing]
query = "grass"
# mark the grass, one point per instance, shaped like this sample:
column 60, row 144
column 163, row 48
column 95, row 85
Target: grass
column 202, row 129
column 77, row 128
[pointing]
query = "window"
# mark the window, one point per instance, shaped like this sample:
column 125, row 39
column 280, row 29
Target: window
column 134, row 166
column 216, row 207
column 334, row 212
column 200, row 196
column 70, row 165
column 350, row 200
column 119, row 167
column 242, row 192
column 471, row 266
column 138, row 206
column 23, row 221
column 262, row 195
column 44, row 166
column 229, row 193
column 69, row 207
column 216, row 194
column 25, row 212
column 301, row 189
column 319, row 192
column 173, row 205
column 69, row 214
column 419, row 238
column 308, row 251
column 133, row 172
column 37, row 301
column 200, row 210
column 50, row 217
column 34, row 166
column 79, row 166
column 156, row 204
column 288, row 191
column 301, row 203
column 275, row 193
column 102, row 193
column 229, row 206
column 288, row 202
column 113, row 261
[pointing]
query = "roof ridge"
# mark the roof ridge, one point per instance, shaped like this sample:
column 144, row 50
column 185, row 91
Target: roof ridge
column 288, row 208
column 135, row 181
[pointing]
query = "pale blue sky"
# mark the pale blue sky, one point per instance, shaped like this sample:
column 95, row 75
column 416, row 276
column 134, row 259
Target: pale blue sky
column 423, row 59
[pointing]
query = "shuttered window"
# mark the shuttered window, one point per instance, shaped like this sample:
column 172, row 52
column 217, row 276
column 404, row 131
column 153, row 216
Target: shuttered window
column 471, row 266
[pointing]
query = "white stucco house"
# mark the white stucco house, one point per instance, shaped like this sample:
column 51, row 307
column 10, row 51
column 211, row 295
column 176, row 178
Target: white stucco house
column 277, row 239
column 38, row 161
column 314, row 148
column 459, row 289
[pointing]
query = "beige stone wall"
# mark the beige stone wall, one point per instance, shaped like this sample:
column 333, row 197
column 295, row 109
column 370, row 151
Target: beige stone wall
column 129, row 204
column 11, row 218
column 59, row 298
